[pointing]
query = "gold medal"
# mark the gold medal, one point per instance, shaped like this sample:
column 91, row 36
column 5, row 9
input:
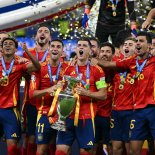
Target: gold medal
column 132, row 81
column 4, row 81
column 137, row 74
column 121, row 86
column 114, row 13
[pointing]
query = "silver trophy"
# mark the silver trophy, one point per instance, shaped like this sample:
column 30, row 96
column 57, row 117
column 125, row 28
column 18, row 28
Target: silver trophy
column 66, row 102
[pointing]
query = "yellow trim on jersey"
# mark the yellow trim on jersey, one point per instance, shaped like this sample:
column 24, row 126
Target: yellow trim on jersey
column 14, row 97
column 77, row 109
column 42, row 103
column 16, row 113
column 99, row 68
column 54, row 102
column 38, row 117
column 92, row 116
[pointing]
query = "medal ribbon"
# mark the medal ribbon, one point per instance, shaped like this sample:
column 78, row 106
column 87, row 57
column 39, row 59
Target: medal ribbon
column 114, row 5
column 50, row 72
column 7, row 72
column 44, row 56
column 85, row 84
column 123, row 77
column 140, row 67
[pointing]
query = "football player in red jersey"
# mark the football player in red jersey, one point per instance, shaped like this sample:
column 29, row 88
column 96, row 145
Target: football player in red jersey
column 42, row 85
column 92, row 87
column 142, row 77
column 102, row 119
column 10, row 76
column 122, row 108
column 29, row 111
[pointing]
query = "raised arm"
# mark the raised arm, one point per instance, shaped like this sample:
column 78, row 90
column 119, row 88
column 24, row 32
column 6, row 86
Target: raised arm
column 103, row 63
column 149, row 19
column 35, row 65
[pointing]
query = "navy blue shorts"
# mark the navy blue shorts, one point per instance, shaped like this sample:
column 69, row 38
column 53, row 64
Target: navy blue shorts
column 31, row 119
column 83, row 133
column 10, row 122
column 102, row 129
column 120, row 125
column 44, row 132
column 143, row 123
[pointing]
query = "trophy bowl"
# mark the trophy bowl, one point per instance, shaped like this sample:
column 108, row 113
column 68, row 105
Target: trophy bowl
column 66, row 102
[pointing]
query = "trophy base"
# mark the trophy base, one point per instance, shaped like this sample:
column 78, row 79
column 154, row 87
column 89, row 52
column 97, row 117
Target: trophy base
column 59, row 125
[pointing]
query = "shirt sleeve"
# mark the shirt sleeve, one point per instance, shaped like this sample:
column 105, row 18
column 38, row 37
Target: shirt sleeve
column 124, row 64
column 34, row 83
column 99, row 78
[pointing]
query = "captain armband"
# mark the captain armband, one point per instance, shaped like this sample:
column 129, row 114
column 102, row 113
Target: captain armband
column 101, row 84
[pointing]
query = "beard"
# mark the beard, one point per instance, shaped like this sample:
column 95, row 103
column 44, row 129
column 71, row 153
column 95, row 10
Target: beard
column 41, row 42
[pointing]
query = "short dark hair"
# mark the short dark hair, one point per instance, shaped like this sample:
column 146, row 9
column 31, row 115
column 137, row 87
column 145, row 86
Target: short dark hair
column 109, row 45
column 121, row 36
column 85, row 39
column 146, row 34
column 95, row 39
column 13, row 39
column 130, row 38
column 58, row 40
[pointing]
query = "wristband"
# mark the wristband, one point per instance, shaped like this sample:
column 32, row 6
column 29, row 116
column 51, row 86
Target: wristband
column 87, row 11
column 133, row 26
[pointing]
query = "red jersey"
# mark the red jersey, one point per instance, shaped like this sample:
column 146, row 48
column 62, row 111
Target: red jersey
column 9, row 94
column 118, row 57
column 123, row 98
column 96, row 73
column 41, row 80
column 143, row 94
column 39, row 56
column 104, row 107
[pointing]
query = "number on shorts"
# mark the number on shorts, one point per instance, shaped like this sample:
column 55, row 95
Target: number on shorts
column 111, row 123
column 40, row 128
column 132, row 124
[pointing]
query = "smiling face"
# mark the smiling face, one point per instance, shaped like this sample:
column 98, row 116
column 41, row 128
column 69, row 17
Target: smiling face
column 9, row 47
column 105, row 53
column 56, row 50
column 83, row 50
column 129, row 48
column 43, row 36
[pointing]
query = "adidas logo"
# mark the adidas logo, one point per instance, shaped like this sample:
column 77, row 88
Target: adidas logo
column 90, row 143
column 72, row 73
column 46, row 76
column 14, row 135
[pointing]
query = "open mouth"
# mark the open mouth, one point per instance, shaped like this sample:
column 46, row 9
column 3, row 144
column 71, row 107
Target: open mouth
column 42, row 38
column 80, row 52
column 138, row 48
column 54, row 53
column 126, row 51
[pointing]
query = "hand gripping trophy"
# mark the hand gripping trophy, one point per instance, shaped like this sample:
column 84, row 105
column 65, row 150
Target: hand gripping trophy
column 66, row 102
